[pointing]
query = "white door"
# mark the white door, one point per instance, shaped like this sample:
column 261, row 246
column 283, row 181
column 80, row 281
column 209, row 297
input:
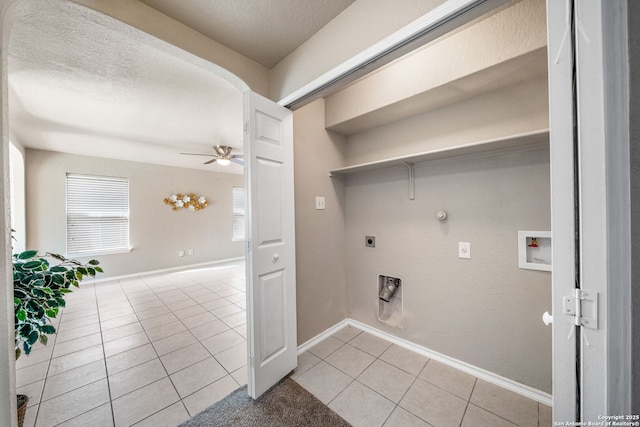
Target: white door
column 590, row 208
column 563, row 205
column 604, row 208
column 271, row 275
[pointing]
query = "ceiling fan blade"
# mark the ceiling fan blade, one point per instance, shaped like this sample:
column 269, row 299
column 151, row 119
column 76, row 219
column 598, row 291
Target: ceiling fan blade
column 198, row 154
column 210, row 161
column 237, row 156
column 238, row 161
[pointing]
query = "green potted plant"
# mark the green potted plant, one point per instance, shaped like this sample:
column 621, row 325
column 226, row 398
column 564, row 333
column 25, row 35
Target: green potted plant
column 40, row 283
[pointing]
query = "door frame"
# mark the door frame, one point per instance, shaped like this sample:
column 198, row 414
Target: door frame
column 618, row 350
column 602, row 181
column 603, row 129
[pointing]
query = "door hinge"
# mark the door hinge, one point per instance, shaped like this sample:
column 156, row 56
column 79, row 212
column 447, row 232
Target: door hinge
column 246, row 127
column 251, row 362
column 584, row 306
column 249, row 245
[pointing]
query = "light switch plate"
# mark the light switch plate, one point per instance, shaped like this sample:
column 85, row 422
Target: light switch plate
column 320, row 203
column 464, row 250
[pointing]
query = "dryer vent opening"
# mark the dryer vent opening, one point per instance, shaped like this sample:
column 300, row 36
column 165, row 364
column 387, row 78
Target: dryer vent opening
column 389, row 287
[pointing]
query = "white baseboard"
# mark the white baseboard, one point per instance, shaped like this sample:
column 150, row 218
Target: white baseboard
column 516, row 387
column 162, row 270
column 321, row 336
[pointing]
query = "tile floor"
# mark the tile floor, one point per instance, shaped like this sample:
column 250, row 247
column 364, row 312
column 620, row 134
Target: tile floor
column 371, row 382
column 155, row 350
column 143, row 351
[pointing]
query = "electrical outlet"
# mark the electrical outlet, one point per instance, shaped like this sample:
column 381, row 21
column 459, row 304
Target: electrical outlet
column 180, row 253
column 320, row 203
column 190, row 252
column 464, row 250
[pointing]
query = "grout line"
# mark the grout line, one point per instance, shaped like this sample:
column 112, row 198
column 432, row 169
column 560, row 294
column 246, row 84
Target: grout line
column 468, row 402
column 144, row 330
column 495, row 379
column 106, row 368
column 181, row 399
column 119, row 288
column 100, row 379
column 415, row 378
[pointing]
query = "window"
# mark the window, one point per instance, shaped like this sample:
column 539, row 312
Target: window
column 239, row 204
column 97, row 214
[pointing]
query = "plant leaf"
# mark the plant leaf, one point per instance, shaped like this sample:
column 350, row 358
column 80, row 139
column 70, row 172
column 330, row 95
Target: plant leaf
column 21, row 315
column 48, row 329
column 26, row 347
column 32, row 338
column 33, row 265
column 93, row 262
column 27, row 254
column 44, row 339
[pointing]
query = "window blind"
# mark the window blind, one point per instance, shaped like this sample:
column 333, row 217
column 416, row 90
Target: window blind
column 97, row 214
column 239, row 205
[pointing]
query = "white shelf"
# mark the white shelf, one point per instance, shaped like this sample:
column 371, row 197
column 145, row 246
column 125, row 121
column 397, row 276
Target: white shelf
column 521, row 141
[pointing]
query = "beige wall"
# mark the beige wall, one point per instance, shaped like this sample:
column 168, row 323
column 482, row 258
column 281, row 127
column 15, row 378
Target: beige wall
column 7, row 351
column 320, row 254
column 502, row 49
column 315, row 57
column 508, row 111
column 484, row 311
column 156, row 232
column 358, row 27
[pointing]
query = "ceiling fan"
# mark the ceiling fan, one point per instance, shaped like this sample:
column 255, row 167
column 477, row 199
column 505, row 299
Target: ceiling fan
column 222, row 156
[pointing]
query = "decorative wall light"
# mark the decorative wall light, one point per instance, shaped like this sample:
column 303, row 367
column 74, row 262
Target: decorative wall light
column 186, row 201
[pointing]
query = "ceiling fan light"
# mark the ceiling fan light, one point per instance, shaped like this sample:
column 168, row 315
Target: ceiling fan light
column 223, row 162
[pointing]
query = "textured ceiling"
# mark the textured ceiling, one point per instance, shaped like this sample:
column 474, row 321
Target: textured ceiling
column 265, row 31
column 81, row 82
column 84, row 83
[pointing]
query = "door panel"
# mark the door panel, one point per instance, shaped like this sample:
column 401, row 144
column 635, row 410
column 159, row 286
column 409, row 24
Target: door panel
column 271, row 287
column 269, row 191
column 272, row 309
column 563, row 205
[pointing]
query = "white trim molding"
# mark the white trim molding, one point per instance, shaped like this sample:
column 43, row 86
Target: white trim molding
column 516, row 387
column 162, row 270
column 448, row 16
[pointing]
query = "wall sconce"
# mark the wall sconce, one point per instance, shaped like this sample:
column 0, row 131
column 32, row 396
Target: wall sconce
column 186, row 201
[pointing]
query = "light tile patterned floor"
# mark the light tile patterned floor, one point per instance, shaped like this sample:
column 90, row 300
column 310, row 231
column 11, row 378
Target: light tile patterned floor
column 144, row 351
column 370, row 382
column 155, row 350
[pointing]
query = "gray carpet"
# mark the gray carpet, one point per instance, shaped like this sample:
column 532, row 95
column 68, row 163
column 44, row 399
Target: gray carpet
column 286, row 404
